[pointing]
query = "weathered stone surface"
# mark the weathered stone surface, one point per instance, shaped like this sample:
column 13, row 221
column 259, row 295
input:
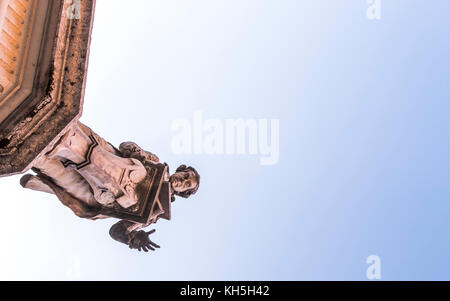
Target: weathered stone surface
column 44, row 49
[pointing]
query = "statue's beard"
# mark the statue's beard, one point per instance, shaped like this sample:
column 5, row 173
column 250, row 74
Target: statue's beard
column 173, row 179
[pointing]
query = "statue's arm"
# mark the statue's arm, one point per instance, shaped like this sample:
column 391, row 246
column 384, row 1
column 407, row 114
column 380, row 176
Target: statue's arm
column 119, row 231
column 132, row 150
column 134, row 239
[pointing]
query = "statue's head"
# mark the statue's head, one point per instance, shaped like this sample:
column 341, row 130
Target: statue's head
column 185, row 181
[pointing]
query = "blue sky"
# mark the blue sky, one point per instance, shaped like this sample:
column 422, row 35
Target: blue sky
column 364, row 143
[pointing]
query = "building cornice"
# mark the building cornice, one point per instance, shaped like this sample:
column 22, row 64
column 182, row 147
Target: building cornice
column 48, row 58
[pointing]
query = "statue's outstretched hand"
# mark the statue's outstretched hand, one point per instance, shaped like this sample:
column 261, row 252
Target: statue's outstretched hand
column 141, row 241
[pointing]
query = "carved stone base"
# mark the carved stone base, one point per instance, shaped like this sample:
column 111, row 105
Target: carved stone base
column 44, row 54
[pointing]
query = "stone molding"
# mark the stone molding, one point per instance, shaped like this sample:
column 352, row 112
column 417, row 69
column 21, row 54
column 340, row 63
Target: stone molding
column 43, row 95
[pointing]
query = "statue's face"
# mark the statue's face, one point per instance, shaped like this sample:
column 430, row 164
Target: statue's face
column 183, row 180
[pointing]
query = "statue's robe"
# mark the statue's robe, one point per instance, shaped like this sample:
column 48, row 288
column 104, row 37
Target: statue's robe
column 68, row 178
column 70, row 186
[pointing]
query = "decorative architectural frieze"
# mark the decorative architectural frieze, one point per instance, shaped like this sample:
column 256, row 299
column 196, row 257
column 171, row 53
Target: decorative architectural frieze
column 17, row 23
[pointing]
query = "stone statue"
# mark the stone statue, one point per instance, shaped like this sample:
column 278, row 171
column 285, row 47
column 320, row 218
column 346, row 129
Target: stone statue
column 96, row 180
column 44, row 62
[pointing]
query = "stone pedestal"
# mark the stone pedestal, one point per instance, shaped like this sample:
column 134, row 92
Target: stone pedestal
column 44, row 50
